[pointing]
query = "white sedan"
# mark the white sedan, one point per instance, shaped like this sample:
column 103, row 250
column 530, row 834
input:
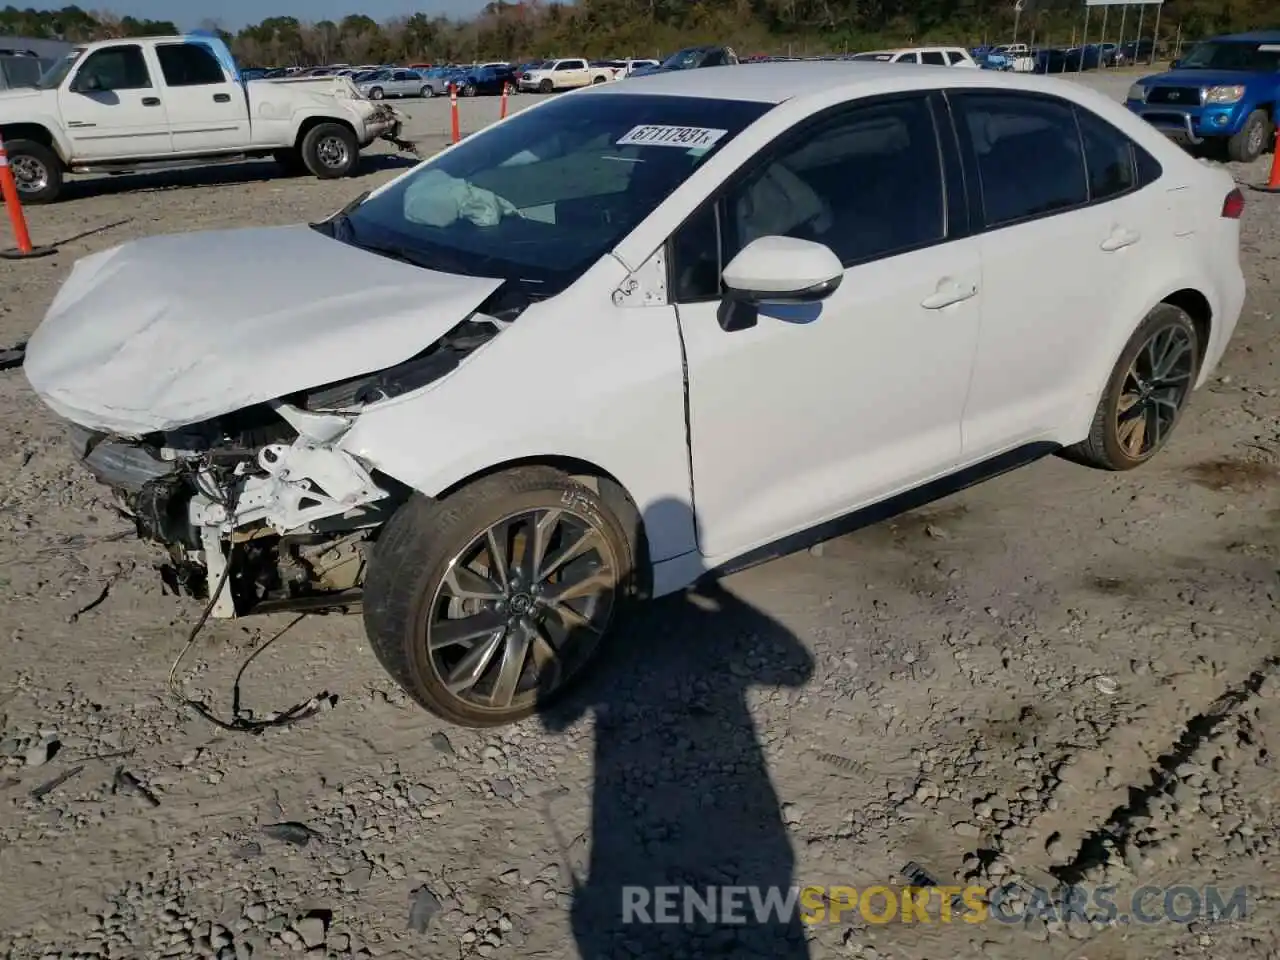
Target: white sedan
column 636, row 335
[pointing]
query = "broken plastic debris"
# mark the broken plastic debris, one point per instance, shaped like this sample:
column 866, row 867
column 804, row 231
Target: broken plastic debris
column 1107, row 686
column 299, row 834
column 423, row 909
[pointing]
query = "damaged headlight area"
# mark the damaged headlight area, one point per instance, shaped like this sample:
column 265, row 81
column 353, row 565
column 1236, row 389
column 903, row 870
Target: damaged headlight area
column 264, row 498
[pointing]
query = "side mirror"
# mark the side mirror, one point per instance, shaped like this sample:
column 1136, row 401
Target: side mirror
column 779, row 271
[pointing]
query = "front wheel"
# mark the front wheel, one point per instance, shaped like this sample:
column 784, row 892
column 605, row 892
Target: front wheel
column 546, row 86
column 36, row 169
column 596, row 80
column 1145, row 396
column 486, row 605
column 1249, row 144
column 330, row 151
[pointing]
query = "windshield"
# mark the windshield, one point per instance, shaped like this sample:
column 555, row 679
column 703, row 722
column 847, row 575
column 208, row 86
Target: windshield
column 54, row 76
column 1233, row 55
column 540, row 198
column 684, row 59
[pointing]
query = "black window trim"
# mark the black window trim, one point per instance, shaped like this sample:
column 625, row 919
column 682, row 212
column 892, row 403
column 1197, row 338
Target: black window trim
column 957, row 216
column 955, row 98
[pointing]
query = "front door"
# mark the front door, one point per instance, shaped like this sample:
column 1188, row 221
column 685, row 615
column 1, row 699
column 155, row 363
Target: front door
column 208, row 112
column 112, row 107
column 816, row 411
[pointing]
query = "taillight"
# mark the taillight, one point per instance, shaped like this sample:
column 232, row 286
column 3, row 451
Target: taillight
column 1233, row 206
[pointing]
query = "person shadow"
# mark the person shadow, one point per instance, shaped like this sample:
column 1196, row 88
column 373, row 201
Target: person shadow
column 682, row 796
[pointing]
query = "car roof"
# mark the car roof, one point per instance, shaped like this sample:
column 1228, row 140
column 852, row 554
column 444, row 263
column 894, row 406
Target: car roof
column 1255, row 36
column 786, row 80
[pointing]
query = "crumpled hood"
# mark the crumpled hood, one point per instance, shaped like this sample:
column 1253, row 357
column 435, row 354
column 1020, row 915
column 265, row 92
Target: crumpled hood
column 172, row 330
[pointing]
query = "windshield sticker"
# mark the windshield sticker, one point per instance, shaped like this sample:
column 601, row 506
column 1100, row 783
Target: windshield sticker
column 649, row 135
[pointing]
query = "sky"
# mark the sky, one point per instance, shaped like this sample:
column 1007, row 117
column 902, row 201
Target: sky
column 234, row 14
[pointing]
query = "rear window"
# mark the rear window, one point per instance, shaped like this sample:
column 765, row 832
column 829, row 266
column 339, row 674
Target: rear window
column 20, row 71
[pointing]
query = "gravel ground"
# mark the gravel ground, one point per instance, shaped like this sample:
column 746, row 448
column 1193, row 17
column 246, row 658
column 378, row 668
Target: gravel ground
column 1058, row 674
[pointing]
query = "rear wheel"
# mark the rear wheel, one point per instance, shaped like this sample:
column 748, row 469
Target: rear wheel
column 36, row 169
column 596, row 80
column 426, row 92
column 330, row 151
column 1145, row 396
column 486, row 605
column 376, row 93
column 1249, row 144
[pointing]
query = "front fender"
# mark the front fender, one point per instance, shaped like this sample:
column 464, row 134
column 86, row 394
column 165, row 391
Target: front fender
column 575, row 377
column 46, row 122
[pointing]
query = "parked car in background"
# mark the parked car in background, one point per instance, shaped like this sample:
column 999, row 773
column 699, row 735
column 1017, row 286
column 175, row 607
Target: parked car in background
column 1051, row 60
column 17, row 72
column 1135, row 51
column 270, row 438
column 436, row 81
column 393, row 83
column 933, row 56
column 1014, row 57
column 692, row 58
column 565, row 74
column 1225, row 91
column 116, row 106
column 486, row 80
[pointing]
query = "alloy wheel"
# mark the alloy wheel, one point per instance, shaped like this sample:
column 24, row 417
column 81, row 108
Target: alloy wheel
column 1155, row 387
column 332, row 152
column 521, row 608
column 30, row 174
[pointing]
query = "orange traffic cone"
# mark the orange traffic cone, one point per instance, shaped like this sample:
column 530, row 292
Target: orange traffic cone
column 1273, row 183
column 17, row 219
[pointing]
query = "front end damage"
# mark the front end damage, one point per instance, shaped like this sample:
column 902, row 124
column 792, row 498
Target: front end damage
column 261, row 510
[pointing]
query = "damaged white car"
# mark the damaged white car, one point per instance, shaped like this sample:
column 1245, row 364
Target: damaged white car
column 633, row 335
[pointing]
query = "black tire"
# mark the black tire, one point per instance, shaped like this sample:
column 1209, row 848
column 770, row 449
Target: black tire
column 1103, row 448
column 44, row 182
column 426, row 92
column 1251, row 142
column 330, row 151
column 546, row 86
column 290, row 161
column 417, row 549
column 595, row 80
column 376, row 93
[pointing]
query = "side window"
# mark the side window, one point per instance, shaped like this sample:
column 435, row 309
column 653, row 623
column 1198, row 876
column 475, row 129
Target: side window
column 867, row 183
column 114, row 68
column 566, row 65
column 189, row 65
column 1108, row 157
column 957, row 56
column 933, row 57
column 1027, row 153
column 907, row 58
column 1149, row 169
column 405, row 75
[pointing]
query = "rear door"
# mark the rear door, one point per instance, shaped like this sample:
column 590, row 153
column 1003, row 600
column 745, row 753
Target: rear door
column 207, row 109
column 1065, row 222
column 405, row 83
column 934, row 58
column 112, row 107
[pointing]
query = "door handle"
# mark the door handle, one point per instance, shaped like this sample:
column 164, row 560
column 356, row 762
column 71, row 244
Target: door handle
column 949, row 292
column 1119, row 239
column 151, row 101
column 222, row 98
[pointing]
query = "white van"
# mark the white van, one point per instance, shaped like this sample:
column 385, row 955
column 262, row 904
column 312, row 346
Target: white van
column 939, row 56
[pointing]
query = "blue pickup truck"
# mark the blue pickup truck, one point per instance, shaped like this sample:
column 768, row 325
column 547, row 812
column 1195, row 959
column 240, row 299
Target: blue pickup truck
column 1224, row 91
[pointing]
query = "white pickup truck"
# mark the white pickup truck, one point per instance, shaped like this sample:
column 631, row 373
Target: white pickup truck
column 119, row 106
column 565, row 74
